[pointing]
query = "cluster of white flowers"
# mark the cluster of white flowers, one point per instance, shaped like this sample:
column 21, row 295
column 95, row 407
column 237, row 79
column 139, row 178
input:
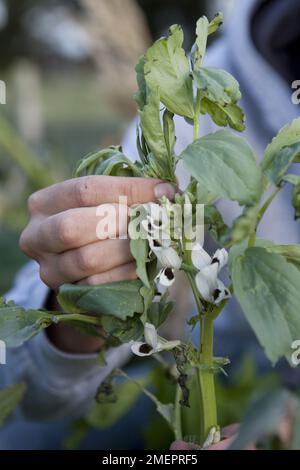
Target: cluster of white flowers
column 209, row 285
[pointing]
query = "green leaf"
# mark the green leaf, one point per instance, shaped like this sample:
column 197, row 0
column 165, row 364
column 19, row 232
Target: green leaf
column 119, row 299
column 118, row 165
column 204, row 196
column 282, row 151
column 159, row 312
column 203, row 30
column 18, row 325
column 105, row 415
column 169, row 131
column 290, row 252
column 110, row 161
column 152, row 128
column 215, row 23
column 217, row 85
column 267, row 288
column 230, row 115
column 225, row 165
column 240, row 248
column 167, row 68
column 141, row 95
column 10, row 398
column 263, row 418
column 199, row 48
column 295, row 181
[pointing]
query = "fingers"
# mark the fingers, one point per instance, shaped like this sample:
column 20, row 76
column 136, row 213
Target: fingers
column 89, row 191
column 126, row 272
column 84, row 262
column 79, row 227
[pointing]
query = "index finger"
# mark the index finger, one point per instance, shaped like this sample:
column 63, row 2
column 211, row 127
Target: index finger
column 89, row 191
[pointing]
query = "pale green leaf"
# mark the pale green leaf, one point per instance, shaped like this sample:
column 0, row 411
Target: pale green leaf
column 225, row 165
column 230, row 115
column 139, row 248
column 267, row 288
column 199, row 48
column 119, row 299
column 290, row 252
column 169, row 131
column 124, row 331
column 203, row 30
column 18, row 325
column 167, row 68
column 152, row 127
column 217, row 85
column 282, row 151
column 141, row 95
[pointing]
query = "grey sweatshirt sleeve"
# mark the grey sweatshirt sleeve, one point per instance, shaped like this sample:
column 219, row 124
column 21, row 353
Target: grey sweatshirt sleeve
column 59, row 384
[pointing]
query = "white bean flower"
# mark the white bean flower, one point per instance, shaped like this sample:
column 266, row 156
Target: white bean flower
column 153, row 343
column 168, row 259
column 201, row 259
column 208, row 284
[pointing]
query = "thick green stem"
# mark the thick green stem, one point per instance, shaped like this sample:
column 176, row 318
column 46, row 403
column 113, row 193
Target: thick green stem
column 178, row 427
column 206, row 378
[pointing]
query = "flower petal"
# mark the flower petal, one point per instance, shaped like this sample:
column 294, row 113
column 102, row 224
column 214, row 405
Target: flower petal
column 164, row 345
column 141, row 349
column 206, row 281
column 166, row 277
column 200, row 258
column 150, row 335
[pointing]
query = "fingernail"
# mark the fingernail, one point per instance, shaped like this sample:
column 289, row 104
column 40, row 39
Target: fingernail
column 165, row 189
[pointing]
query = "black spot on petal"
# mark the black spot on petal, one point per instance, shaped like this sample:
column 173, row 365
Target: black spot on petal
column 169, row 274
column 145, row 348
column 215, row 260
column 216, row 294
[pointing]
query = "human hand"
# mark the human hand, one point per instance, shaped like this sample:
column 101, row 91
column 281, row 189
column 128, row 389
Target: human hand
column 62, row 231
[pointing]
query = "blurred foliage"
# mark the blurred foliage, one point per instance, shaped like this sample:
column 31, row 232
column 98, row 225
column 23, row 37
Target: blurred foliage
column 76, row 117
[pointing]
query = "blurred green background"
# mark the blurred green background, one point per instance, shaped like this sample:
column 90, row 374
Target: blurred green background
column 68, row 67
